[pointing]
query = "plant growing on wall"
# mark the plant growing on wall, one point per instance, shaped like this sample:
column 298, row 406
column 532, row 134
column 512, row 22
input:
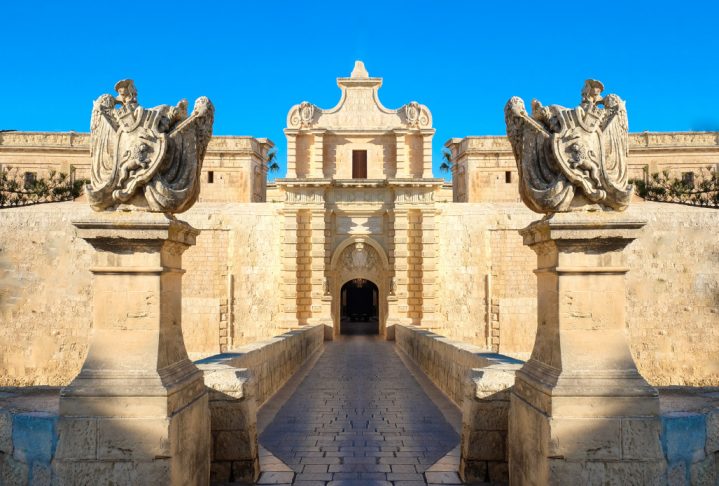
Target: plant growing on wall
column 22, row 189
column 693, row 189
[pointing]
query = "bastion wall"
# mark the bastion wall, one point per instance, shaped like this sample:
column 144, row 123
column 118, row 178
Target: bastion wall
column 486, row 289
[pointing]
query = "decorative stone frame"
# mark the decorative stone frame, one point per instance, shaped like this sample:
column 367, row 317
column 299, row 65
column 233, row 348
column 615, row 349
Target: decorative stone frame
column 376, row 271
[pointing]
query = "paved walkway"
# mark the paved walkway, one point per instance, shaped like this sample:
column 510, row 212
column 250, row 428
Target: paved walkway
column 360, row 417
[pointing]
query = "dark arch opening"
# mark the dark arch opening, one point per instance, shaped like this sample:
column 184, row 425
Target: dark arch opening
column 359, row 307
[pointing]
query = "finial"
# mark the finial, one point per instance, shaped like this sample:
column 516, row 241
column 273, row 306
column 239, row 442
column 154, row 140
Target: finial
column 359, row 71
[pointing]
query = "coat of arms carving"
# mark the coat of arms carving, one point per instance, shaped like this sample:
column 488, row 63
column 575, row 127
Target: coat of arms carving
column 570, row 158
column 147, row 158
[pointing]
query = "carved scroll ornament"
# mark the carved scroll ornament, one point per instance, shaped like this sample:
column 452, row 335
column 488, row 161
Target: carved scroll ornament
column 571, row 158
column 147, row 158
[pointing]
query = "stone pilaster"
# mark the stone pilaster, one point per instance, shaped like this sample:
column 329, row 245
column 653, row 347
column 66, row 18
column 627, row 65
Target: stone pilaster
column 317, row 158
column 579, row 408
column 401, row 268
column 427, row 153
column 321, row 306
column 429, row 267
column 402, row 154
column 288, row 252
column 291, row 153
column 138, row 410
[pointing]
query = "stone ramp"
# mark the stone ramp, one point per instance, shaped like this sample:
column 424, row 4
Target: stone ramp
column 360, row 417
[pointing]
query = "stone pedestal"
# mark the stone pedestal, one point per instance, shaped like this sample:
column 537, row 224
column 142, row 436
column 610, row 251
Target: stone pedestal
column 137, row 413
column 580, row 410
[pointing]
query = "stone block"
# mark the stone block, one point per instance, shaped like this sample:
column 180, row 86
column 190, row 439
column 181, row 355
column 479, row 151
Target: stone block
column 230, row 445
column 5, row 432
column 704, row 473
column 712, row 424
column 246, row 471
column 487, row 445
column 77, row 438
column 41, row 475
column 13, row 471
column 484, row 415
column 585, row 438
column 135, row 439
column 473, row 471
column 153, row 472
column 499, row 472
column 640, row 439
column 677, row 475
column 235, row 415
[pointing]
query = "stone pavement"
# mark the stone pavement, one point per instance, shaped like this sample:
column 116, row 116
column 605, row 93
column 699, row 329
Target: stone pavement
column 360, row 417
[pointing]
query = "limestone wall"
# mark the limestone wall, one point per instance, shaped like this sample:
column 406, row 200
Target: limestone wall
column 673, row 286
column 229, row 288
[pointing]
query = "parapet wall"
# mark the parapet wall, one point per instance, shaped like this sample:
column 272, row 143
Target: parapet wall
column 271, row 362
column 479, row 383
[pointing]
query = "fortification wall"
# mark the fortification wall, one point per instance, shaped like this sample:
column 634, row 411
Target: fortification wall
column 229, row 288
column 486, row 286
column 488, row 289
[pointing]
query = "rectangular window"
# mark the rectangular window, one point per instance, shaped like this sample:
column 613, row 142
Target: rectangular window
column 359, row 164
column 508, row 177
column 688, row 178
column 210, row 177
column 29, row 179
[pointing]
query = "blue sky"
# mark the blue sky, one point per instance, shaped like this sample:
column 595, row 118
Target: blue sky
column 462, row 59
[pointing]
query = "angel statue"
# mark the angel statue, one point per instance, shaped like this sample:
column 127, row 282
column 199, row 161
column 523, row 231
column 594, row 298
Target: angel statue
column 147, row 158
column 569, row 158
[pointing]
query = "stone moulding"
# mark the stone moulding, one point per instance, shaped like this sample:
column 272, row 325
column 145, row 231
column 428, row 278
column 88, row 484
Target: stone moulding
column 569, row 159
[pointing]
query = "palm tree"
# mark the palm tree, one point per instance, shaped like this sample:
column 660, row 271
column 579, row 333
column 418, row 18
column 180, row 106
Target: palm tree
column 271, row 161
column 446, row 165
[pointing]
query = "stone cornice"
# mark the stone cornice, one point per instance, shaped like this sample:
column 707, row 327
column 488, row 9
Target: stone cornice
column 638, row 142
column 80, row 142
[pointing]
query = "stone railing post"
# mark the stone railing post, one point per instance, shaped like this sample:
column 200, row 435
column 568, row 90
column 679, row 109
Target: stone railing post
column 137, row 413
column 485, row 419
column 579, row 407
column 233, row 412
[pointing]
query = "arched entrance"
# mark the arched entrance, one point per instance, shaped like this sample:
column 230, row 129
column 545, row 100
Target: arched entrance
column 359, row 259
column 359, row 307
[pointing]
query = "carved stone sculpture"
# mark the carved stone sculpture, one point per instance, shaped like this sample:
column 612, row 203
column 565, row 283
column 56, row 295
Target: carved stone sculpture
column 569, row 158
column 147, row 158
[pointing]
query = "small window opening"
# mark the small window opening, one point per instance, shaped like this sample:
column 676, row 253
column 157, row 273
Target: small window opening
column 359, row 164
column 29, row 179
column 688, row 178
column 508, row 177
column 210, row 177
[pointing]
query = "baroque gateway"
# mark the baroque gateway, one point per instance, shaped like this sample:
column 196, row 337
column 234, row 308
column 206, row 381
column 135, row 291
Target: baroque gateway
column 578, row 347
